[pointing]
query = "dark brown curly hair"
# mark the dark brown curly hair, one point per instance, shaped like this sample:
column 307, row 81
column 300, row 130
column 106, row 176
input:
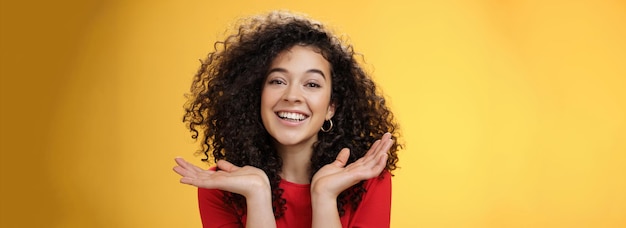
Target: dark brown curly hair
column 223, row 106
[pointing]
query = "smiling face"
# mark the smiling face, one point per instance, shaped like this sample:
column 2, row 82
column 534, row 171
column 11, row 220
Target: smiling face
column 295, row 100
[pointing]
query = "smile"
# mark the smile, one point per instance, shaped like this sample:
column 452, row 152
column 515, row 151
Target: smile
column 292, row 116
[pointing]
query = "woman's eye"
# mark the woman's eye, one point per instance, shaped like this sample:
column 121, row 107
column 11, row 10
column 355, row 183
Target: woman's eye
column 276, row 82
column 313, row 85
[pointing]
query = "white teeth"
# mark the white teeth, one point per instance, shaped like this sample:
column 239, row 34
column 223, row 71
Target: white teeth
column 291, row 116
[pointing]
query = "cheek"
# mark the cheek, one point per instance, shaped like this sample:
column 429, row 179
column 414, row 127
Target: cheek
column 265, row 102
column 268, row 101
column 322, row 103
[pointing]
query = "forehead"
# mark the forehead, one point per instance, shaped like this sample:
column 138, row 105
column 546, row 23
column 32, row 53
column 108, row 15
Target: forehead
column 300, row 56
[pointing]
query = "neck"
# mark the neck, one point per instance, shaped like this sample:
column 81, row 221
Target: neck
column 296, row 163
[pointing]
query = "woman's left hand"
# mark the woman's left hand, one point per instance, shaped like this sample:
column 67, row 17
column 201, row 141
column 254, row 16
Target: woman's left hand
column 335, row 177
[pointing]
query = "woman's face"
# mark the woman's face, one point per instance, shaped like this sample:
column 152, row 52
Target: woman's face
column 295, row 100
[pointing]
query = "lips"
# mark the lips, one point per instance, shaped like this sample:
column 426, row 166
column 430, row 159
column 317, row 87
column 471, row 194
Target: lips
column 292, row 116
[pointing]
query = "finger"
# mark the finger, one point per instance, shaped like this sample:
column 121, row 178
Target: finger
column 383, row 150
column 380, row 165
column 387, row 135
column 373, row 148
column 227, row 166
column 187, row 165
column 184, row 172
column 385, row 143
column 375, row 166
column 182, row 163
column 342, row 157
column 370, row 155
column 189, row 181
column 376, row 147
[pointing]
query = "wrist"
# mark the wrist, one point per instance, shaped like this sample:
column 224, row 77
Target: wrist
column 318, row 191
column 259, row 208
column 325, row 213
column 258, row 192
column 259, row 199
column 322, row 199
column 257, row 187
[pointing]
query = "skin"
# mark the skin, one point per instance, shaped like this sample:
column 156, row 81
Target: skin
column 299, row 81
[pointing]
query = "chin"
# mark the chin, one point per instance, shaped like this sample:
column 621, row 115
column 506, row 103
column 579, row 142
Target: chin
column 294, row 140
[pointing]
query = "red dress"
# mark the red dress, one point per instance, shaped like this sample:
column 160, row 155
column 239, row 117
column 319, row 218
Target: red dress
column 373, row 211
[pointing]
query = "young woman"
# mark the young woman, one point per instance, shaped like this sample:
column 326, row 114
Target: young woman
column 299, row 134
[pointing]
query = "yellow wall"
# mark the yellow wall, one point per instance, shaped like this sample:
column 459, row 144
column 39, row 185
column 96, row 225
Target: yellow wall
column 513, row 112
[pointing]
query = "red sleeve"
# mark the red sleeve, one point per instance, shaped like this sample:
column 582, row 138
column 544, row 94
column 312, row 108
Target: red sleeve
column 375, row 207
column 213, row 212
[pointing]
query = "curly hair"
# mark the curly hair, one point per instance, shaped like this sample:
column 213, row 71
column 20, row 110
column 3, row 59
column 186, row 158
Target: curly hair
column 223, row 106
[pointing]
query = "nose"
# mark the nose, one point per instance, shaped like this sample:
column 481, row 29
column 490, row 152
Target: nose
column 292, row 93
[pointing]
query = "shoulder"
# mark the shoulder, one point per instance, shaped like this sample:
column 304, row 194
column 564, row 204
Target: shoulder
column 210, row 196
column 378, row 188
column 384, row 179
column 374, row 210
column 214, row 212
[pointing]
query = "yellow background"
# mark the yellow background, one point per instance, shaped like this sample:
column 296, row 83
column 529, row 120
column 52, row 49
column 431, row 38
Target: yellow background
column 513, row 112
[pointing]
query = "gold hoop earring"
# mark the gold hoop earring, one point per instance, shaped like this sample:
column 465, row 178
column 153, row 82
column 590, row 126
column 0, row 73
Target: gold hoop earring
column 330, row 128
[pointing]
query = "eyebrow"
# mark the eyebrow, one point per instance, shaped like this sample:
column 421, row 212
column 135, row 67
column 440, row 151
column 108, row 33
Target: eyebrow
column 282, row 70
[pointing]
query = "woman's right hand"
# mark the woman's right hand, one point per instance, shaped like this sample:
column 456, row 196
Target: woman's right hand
column 245, row 180
column 251, row 182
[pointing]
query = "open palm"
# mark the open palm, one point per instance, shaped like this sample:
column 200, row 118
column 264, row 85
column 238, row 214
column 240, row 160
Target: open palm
column 240, row 180
column 335, row 177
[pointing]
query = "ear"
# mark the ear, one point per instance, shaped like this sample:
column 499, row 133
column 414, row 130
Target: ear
column 331, row 111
